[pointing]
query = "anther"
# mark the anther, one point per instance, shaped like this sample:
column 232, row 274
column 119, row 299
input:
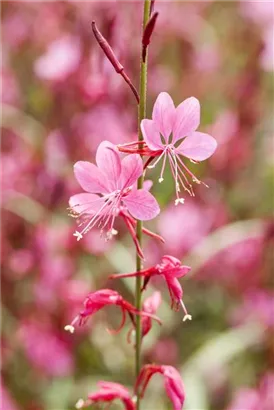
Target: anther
column 70, row 328
column 160, row 180
column 187, row 317
column 179, row 201
column 78, row 235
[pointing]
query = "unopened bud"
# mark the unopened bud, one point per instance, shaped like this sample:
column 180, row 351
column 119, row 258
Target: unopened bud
column 148, row 33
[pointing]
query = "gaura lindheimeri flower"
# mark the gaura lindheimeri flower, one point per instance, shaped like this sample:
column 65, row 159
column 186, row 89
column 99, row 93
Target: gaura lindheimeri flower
column 171, row 269
column 108, row 391
column 110, row 190
column 150, row 305
column 171, row 134
column 95, row 301
column 172, row 379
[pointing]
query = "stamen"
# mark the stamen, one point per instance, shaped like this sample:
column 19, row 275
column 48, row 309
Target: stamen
column 179, row 201
column 69, row 328
column 187, row 315
column 96, row 218
column 157, row 160
column 163, row 168
column 78, row 235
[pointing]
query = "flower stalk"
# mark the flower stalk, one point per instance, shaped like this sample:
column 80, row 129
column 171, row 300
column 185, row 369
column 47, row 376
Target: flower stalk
column 141, row 116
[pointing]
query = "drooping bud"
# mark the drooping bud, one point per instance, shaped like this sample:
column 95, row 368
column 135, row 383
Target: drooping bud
column 148, row 33
column 112, row 58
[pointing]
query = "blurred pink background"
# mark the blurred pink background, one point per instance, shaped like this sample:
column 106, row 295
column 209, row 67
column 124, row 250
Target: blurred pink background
column 60, row 99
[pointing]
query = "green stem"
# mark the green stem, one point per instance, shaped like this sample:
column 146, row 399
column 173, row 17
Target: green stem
column 141, row 115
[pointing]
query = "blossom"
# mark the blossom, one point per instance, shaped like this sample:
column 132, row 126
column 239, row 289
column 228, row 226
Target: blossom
column 60, row 60
column 45, row 350
column 110, row 190
column 255, row 398
column 108, row 391
column 171, row 134
column 95, row 301
column 171, row 269
column 150, row 306
column 172, row 379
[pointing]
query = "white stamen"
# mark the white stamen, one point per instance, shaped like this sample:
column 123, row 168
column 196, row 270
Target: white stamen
column 160, row 180
column 69, row 328
column 78, row 235
column 179, row 201
column 157, row 160
column 79, row 404
column 114, row 232
column 187, row 316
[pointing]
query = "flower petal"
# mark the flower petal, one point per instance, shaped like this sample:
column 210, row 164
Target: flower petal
column 198, row 146
column 108, row 160
column 187, row 118
column 147, row 185
column 151, row 135
column 132, row 169
column 86, row 203
column 90, row 177
column 163, row 114
column 142, row 205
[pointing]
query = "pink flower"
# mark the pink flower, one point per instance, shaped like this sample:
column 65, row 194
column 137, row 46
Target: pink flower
column 172, row 379
column 110, row 189
column 61, row 59
column 45, row 350
column 95, row 301
column 171, row 269
column 108, row 391
column 171, row 134
column 253, row 399
column 150, row 306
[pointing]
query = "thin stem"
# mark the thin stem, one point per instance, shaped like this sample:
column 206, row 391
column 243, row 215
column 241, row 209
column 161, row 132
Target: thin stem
column 141, row 115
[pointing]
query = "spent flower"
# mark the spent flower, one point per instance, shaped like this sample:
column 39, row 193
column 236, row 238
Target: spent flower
column 95, row 301
column 171, row 269
column 108, row 391
column 173, row 383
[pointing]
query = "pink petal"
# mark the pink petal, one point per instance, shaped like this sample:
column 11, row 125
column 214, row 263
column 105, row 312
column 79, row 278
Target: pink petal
column 175, row 287
column 142, row 205
column 163, row 114
column 177, row 272
column 151, row 135
column 198, row 146
column 132, row 169
column 187, row 118
column 175, row 391
column 147, row 184
column 108, row 160
column 86, row 203
column 90, row 177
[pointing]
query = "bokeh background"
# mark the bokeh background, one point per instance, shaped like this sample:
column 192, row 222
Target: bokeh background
column 61, row 97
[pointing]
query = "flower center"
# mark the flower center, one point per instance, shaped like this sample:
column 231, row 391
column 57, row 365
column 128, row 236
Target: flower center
column 102, row 218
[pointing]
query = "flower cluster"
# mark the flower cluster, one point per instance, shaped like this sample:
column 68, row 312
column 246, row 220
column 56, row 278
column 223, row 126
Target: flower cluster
column 111, row 191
